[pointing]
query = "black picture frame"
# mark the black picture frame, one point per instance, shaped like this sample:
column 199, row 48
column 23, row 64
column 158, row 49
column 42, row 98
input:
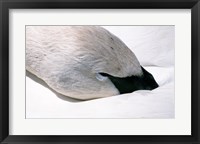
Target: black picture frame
column 5, row 5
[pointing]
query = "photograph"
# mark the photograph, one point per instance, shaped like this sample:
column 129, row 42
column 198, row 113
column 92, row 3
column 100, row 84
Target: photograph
column 100, row 71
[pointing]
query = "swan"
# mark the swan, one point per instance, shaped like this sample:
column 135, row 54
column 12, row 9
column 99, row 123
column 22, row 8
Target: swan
column 84, row 62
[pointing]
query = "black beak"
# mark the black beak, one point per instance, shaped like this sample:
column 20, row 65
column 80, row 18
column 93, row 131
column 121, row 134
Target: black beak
column 129, row 84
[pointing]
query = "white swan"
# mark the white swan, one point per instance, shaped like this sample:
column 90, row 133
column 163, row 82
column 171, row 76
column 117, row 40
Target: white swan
column 84, row 62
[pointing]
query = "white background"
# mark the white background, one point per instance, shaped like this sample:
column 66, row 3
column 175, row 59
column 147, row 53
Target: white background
column 181, row 125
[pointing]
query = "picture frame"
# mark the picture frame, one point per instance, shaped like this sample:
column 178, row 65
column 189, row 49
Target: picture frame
column 6, row 5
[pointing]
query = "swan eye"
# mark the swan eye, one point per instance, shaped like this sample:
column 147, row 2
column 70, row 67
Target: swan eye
column 101, row 77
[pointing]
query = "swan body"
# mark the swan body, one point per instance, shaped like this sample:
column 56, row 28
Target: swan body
column 83, row 62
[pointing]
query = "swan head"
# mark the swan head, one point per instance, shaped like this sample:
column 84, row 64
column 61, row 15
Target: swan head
column 101, row 65
column 86, row 62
